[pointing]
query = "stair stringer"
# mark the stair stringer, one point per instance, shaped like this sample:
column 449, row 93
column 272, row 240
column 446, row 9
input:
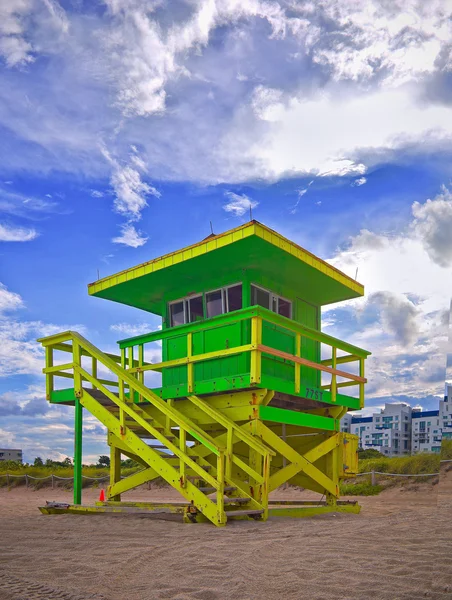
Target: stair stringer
column 160, row 465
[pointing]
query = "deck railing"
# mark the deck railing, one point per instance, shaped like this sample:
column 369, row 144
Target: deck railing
column 133, row 351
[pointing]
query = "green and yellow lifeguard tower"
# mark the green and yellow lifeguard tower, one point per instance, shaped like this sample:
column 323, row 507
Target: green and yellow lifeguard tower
column 251, row 392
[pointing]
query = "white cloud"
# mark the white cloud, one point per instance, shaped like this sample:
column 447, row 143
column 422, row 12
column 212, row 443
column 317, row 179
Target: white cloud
column 97, row 194
column 130, row 237
column 408, row 284
column 20, row 353
column 266, row 102
column 433, row 225
column 130, row 329
column 130, row 191
column 141, row 76
column 16, row 234
column 359, row 182
column 27, row 27
column 238, row 204
column 9, row 300
column 325, row 135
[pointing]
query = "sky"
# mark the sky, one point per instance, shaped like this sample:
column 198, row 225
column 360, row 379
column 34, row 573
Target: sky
column 127, row 126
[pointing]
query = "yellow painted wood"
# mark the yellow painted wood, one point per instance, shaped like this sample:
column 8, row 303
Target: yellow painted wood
column 256, row 339
column 309, row 363
column 361, row 386
column 221, row 240
column 299, row 463
column 57, row 368
column 190, row 379
column 340, row 360
column 131, row 482
column 226, row 422
column 127, row 408
column 165, row 470
column 297, row 365
column 177, row 362
column 333, row 376
column 115, row 473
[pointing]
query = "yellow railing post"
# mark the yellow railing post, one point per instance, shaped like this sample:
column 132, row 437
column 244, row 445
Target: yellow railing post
column 361, row 385
column 121, row 389
column 266, row 485
column 297, row 365
column 189, row 364
column 183, row 448
column 94, row 369
column 49, row 376
column 141, row 364
column 220, row 490
column 77, row 358
column 256, row 340
column 333, row 376
column 229, row 448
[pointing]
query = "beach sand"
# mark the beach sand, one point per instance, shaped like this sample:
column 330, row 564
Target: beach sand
column 398, row 547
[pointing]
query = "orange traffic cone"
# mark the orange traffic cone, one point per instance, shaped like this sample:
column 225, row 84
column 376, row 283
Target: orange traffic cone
column 102, row 496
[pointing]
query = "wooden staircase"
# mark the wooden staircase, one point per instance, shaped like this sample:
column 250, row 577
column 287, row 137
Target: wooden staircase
column 167, row 443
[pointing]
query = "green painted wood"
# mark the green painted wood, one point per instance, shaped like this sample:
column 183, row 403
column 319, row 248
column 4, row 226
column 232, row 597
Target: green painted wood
column 291, row 417
column 225, row 265
column 66, row 396
column 78, row 428
column 245, row 313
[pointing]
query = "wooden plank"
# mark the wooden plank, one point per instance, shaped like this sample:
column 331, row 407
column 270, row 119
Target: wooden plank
column 309, row 363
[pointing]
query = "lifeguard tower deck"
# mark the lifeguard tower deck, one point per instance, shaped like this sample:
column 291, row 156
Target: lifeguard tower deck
column 251, row 392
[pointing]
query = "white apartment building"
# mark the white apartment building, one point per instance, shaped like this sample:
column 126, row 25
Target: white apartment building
column 426, row 431
column 10, row 454
column 399, row 430
column 389, row 431
column 445, row 413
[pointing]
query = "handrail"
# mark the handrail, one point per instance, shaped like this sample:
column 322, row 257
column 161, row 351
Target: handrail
column 189, row 457
column 131, row 381
column 257, row 316
column 240, row 315
column 227, row 423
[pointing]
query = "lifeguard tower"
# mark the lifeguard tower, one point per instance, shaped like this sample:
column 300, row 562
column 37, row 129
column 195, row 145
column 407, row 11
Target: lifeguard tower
column 251, row 392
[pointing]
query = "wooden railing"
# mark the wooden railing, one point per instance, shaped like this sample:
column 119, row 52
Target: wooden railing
column 133, row 351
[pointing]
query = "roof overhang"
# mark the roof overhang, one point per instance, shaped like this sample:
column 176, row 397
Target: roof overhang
column 252, row 247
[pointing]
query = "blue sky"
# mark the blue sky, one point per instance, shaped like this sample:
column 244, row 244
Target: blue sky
column 127, row 126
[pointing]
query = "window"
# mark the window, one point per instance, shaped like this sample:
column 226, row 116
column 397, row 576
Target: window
column 191, row 309
column 267, row 299
column 224, row 300
column 195, row 309
column 214, row 303
column 177, row 313
column 233, row 297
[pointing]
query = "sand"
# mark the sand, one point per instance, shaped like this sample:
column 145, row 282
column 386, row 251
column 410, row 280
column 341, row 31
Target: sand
column 399, row 547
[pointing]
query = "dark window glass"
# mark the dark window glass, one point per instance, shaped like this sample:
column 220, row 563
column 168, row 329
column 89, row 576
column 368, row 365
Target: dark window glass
column 214, row 304
column 260, row 297
column 234, row 297
column 177, row 313
column 196, row 312
column 284, row 308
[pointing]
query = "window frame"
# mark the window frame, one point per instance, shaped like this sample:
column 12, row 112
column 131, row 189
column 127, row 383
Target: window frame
column 186, row 303
column 273, row 296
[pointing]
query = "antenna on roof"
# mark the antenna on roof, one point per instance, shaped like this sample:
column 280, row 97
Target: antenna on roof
column 251, row 212
column 211, row 228
column 98, row 276
column 356, row 274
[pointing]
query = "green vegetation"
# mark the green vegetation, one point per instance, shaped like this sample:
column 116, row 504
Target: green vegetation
column 364, row 488
column 370, row 453
column 408, row 465
column 446, row 449
column 64, row 470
